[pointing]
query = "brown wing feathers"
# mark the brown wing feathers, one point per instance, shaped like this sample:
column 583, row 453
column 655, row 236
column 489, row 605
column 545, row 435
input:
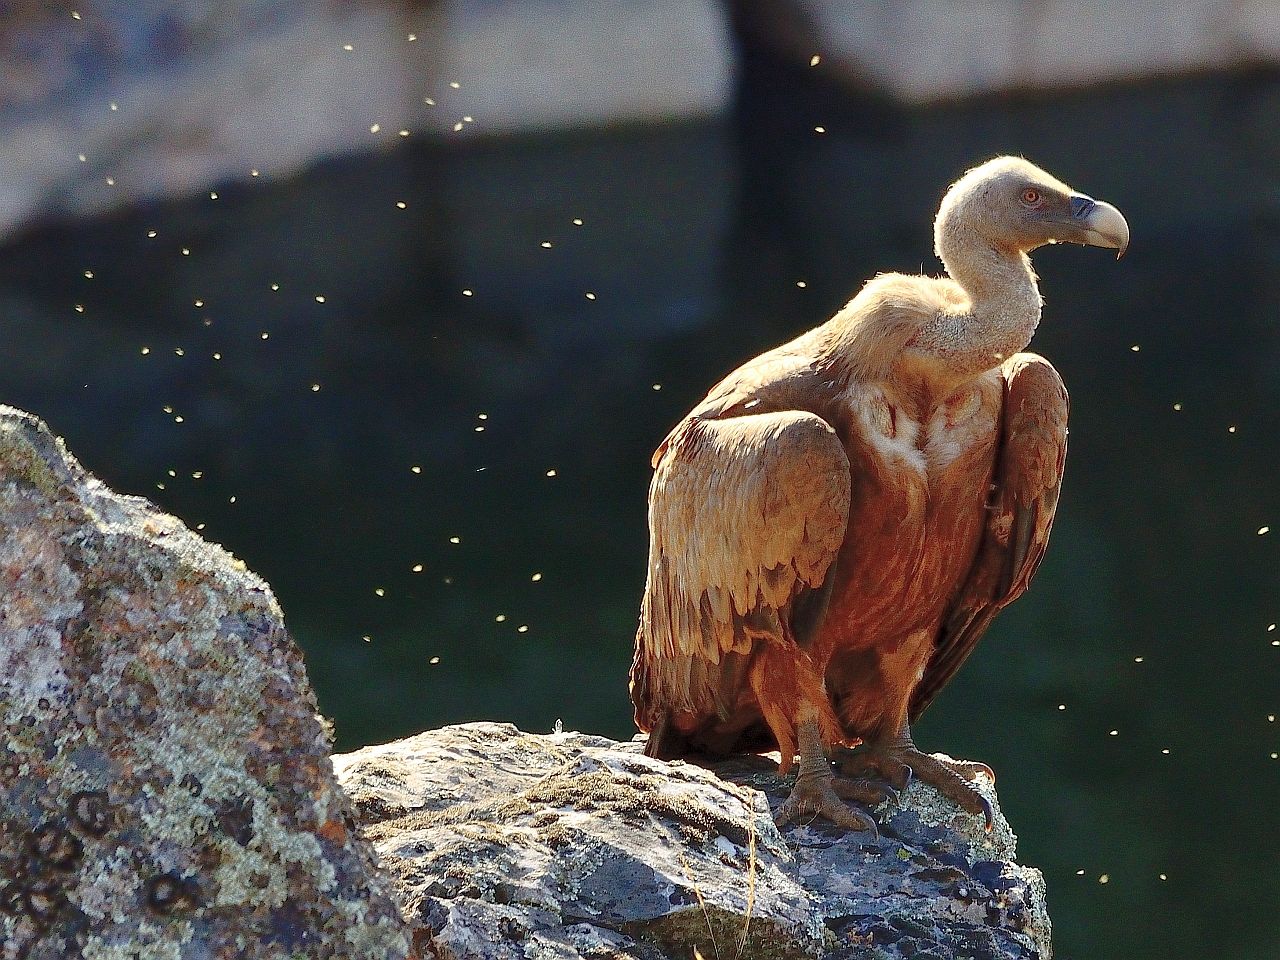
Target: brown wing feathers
column 744, row 514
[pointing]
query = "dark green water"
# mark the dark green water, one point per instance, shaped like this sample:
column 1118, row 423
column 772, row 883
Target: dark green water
column 693, row 241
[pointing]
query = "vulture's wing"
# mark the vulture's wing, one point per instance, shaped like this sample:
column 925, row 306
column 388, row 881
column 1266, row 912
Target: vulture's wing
column 745, row 514
column 1025, row 487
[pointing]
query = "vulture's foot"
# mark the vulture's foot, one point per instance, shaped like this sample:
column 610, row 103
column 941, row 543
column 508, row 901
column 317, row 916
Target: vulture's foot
column 817, row 795
column 863, row 789
column 896, row 762
column 817, row 791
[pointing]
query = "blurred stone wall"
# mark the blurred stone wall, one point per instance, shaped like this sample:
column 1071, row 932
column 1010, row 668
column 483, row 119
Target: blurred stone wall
column 924, row 50
column 108, row 102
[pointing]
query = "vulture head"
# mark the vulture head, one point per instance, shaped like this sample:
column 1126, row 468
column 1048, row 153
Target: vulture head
column 1011, row 205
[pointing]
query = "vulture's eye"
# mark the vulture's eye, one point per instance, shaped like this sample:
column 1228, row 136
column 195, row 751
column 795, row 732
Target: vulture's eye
column 1031, row 196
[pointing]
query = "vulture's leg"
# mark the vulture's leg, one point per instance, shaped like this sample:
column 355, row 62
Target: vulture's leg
column 816, row 790
column 897, row 759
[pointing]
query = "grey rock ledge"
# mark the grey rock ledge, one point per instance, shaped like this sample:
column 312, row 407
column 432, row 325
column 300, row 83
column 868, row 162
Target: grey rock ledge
column 167, row 793
column 507, row 845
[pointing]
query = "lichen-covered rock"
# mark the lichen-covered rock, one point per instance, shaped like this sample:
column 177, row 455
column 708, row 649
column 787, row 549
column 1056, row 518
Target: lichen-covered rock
column 512, row 846
column 165, row 786
column 167, row 794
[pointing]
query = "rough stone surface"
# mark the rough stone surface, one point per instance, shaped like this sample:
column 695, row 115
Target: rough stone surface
column 165, row 786
column 166, row 793
column 508, row 846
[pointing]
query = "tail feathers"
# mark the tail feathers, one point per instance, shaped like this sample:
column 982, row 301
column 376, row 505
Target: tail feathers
column 657, row 738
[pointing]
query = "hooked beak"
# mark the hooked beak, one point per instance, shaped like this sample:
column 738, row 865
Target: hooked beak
column 1100, row 224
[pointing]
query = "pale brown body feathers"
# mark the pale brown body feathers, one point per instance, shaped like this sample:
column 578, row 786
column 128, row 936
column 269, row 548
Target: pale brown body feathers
column 750, row 506
column 836, row 524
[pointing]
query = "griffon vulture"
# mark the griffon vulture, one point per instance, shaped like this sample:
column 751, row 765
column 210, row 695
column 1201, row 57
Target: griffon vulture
column 834, row 527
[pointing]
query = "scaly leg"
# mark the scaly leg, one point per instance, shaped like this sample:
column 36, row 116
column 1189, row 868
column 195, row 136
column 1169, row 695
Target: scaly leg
column 897, row 759
column 817, row 791
column 792, row 696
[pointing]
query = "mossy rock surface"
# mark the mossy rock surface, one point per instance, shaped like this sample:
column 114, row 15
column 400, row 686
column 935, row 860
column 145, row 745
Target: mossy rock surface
column 166, row 791
column 512, row 845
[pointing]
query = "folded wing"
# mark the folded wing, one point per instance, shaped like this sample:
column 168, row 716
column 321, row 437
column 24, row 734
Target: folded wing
column 746, row 515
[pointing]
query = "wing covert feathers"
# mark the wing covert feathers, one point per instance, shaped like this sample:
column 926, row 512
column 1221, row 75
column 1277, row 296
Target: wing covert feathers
column 743, row 513
column 1025, row 489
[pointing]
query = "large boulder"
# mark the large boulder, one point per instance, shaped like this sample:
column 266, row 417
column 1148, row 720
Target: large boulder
column 166, row 791
column 507, row 845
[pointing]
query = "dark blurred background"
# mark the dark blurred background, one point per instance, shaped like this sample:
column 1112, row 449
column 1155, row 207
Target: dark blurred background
column 395, row 300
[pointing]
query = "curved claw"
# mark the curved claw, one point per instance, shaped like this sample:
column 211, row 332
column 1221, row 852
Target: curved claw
column 792, row 811
column 988, row 812
column 943, row 778
column 871, row 792
column 907, row 776
column 900, row 762
column 892, row 771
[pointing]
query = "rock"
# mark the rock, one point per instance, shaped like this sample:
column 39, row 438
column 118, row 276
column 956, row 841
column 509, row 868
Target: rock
column 166, row 793
column 165, row 779
column 512, row 845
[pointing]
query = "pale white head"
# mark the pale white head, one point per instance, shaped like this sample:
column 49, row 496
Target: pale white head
column 1010, row 205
